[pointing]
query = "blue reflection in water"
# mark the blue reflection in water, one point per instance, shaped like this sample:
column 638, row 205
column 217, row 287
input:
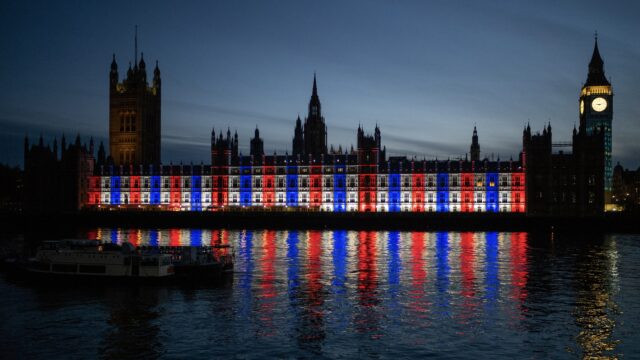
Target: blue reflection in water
column 394, row 262
column 293, row 267
column 153, row 238
column 442, row 278
column 114, row 236
column 491, row 268
column 342, row 311
column 393, row 244
column 339, row 261
column 195, row 237
column 246, row 247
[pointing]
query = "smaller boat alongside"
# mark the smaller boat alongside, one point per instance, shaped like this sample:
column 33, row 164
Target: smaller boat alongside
column 203, row 262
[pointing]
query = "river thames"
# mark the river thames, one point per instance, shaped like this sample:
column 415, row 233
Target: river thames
column 346, row 294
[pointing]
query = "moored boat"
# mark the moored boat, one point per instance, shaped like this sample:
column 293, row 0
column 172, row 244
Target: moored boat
column 94, row 260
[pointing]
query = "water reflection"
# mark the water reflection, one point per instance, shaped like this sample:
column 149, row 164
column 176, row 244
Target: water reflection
column 596, row 276
column 327, row 287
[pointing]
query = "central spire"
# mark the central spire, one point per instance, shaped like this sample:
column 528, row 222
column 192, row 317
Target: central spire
column 314, row 103
column 315, row 87
column 596, row 67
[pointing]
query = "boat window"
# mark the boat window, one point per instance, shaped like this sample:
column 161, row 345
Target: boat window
column 64, row 268
column 92, row 269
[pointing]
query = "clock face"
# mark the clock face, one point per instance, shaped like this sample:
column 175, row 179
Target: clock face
column 599, row 104
column 581, row 107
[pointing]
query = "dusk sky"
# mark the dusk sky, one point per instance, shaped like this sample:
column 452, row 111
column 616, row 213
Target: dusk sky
column 424, row 71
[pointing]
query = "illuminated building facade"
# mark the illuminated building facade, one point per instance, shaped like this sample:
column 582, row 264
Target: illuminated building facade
column 334, row 183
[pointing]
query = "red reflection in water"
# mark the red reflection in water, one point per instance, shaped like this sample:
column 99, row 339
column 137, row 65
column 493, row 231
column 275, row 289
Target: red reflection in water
column 92, row 235
column 467, row 264
column 367, row 321
column 215, row 237
column 315, row 267
column 367, row 271
column 267, row 288
column 467, row 270
column 418, row 275
column 519, row 272
column 174, row 237
column 132, row 237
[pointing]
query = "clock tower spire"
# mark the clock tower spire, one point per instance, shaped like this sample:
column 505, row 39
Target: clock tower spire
column 596, row 112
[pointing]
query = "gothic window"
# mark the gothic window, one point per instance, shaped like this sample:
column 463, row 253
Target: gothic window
column 121, row 122
column 133, row 123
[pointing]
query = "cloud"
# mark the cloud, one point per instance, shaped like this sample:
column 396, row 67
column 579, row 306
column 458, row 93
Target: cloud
column 221, row 110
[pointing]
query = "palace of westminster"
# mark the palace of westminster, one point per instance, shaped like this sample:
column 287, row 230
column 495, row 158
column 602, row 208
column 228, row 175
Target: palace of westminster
column 316, row 178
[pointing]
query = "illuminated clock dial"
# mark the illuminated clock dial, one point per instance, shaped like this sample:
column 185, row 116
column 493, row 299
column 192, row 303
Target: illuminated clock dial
column 599, row 104
column 581, row 107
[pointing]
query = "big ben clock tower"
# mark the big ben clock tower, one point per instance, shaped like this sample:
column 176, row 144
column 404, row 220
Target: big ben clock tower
column 596, row 112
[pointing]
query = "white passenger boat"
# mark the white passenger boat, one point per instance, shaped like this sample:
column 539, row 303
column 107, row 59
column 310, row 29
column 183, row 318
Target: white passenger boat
column 96, row 260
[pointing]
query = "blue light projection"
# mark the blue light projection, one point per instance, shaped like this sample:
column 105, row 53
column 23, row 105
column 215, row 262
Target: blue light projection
column 443, row 193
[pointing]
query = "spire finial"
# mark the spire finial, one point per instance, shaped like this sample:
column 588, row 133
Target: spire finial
column 315, row 88
column 595, row 35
